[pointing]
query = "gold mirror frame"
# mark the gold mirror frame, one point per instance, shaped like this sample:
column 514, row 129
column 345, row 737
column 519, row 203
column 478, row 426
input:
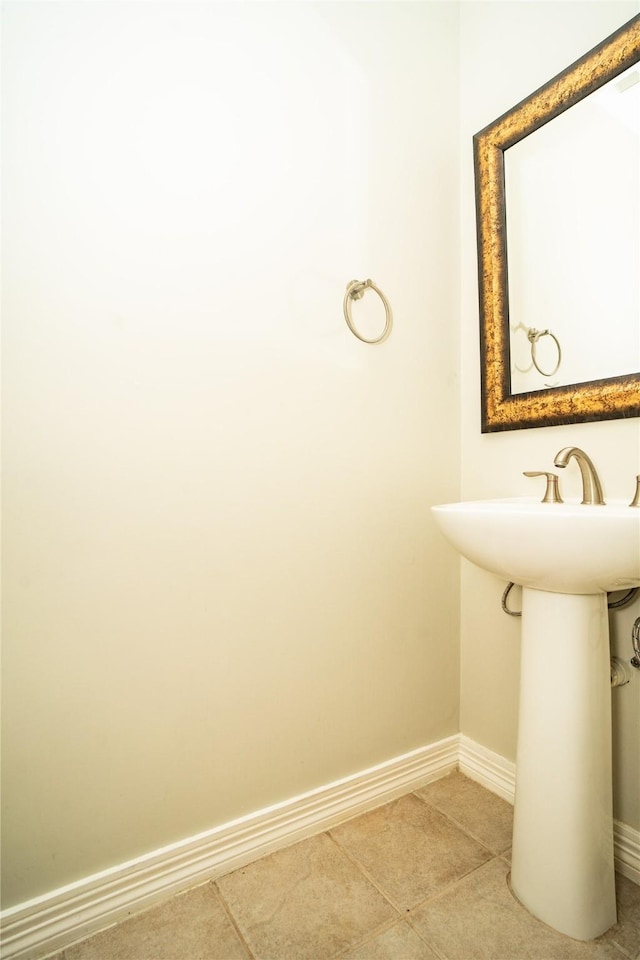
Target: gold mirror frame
column 606, row 399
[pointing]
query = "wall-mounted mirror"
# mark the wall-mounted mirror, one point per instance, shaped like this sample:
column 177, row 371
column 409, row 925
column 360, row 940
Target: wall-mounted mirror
column 558, row 225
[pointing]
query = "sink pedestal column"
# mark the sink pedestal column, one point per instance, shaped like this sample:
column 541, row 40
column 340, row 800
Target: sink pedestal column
column 562, row 861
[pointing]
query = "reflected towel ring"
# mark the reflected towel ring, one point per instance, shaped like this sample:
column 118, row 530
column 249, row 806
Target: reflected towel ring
column 534, row 336
column 514, row 329
column 355, row 291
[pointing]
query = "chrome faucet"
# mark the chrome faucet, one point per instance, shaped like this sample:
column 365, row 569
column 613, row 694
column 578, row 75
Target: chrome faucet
column 591, row 489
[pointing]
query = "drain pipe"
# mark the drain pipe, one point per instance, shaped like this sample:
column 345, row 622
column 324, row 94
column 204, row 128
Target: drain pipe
column 620, row 672
column 635, row 641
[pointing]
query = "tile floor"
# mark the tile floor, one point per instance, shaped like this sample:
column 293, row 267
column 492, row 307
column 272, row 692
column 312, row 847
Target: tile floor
column 421, row 878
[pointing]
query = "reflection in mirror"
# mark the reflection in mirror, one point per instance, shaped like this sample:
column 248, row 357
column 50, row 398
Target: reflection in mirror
column 558, row 189
column 573, row 195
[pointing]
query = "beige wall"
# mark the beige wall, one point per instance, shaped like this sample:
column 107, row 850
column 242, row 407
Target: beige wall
column 507, row 51
column 222, row 584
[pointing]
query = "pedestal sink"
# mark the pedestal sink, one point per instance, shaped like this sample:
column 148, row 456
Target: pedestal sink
column 566, row 556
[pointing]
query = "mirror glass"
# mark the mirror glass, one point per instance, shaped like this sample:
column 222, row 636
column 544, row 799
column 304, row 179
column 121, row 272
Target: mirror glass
column 572, row 191
column 558, row 226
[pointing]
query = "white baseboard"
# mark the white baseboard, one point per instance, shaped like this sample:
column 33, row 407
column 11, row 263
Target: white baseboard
column 49, row 923
column 40, row 927
column 626, row 850
column 488, row 768
column 499, row 775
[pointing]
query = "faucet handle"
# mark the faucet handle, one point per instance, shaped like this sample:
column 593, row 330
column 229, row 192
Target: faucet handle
column 552, row 493
column 636, row 500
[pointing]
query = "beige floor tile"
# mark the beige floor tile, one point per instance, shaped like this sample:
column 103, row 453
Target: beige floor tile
column 487, row 816
column 191, row 926
column 399, row 942
column 626, row 932
column 409, row 849
column 313, row 902
column 479, row 919
column 308, row 902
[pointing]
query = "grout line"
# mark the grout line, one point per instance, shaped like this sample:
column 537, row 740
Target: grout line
column 400, row 910
column 623, row 953
column 368, row 938
column 363, row 870
column 435, row 950
column 451, row 885
column 463, row 828
column 406, row 912
column 229, row 912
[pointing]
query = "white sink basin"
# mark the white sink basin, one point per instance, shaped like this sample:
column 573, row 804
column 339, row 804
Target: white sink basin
column 566, row 556
column 569, row 548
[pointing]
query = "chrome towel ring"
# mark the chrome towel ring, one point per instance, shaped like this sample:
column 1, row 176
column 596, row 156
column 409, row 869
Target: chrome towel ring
column 355, row 291
column 533, row 336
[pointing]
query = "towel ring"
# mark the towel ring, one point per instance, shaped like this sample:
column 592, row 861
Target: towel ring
column 355, row 291
column 535, row 335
